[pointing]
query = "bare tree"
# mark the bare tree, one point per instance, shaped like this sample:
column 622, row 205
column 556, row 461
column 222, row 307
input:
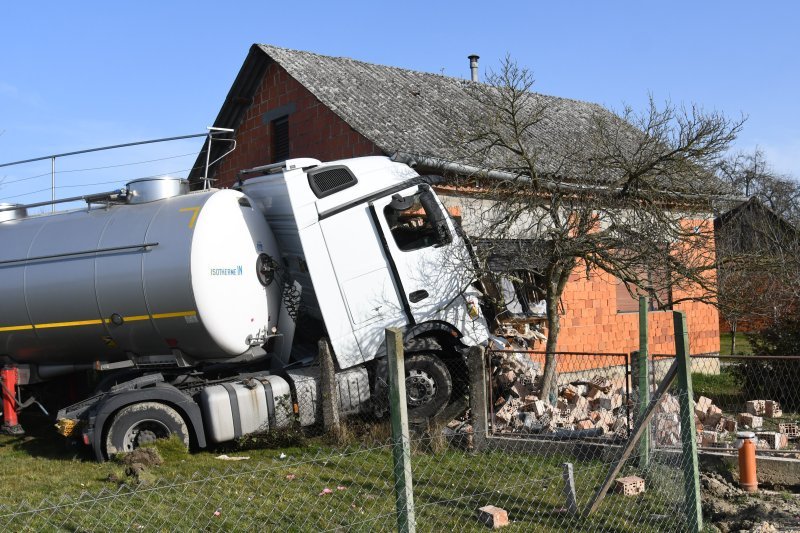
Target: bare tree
column 751, row 175
column 757, row 244
column 627, row 194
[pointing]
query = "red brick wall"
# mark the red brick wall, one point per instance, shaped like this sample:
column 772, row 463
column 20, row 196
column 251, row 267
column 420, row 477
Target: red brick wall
column 314, row 130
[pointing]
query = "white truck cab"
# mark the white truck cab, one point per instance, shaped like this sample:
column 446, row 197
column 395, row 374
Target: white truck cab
column 372, row 246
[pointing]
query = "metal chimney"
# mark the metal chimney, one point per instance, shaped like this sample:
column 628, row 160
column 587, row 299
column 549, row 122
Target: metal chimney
column 473, row 66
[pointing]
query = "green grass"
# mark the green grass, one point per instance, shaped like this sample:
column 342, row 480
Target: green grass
column 722, row 385
column 268, row 493
column 742, row 344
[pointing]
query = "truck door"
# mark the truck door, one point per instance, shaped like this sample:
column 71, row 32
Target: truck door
column 365, row 282
column 430, row 258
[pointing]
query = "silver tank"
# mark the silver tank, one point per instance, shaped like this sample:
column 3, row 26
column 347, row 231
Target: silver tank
column 177, row 275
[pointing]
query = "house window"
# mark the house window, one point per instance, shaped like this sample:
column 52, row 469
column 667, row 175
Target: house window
column 417, row 221
column 280, row 139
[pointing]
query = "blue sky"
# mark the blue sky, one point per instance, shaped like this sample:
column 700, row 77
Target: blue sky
column 76, row 75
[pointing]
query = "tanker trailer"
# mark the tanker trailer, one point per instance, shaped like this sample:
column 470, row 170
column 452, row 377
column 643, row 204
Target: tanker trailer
column 153, row 279
column 153, row 276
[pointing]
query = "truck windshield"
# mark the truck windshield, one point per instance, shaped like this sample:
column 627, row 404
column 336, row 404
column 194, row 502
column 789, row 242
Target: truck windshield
column 417, row 221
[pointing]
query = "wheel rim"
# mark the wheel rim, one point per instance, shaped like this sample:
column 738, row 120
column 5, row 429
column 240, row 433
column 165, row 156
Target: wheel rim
column 420, row 388
column 144, row 432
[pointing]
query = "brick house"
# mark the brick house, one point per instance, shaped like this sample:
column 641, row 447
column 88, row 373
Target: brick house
column 287, row 103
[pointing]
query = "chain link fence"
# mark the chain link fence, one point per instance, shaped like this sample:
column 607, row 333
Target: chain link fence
column 460, row 478
column 352, row 488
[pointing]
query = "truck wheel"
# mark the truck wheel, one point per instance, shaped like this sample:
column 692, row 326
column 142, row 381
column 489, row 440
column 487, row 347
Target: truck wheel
column 143, row 423
column 428, row 386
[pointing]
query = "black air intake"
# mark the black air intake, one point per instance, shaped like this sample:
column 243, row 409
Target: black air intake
column 329, row 180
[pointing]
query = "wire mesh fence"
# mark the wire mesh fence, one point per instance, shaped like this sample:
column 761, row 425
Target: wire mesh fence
column 352, row 488
column 346, row 480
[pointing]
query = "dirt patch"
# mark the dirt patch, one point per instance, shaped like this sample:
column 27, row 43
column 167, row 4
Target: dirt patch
column 146, row 457
column 137, row 463
column 729, row 508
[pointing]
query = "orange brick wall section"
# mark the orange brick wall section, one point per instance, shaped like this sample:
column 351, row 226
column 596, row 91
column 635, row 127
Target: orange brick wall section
column 314, row 130
column 591, row 322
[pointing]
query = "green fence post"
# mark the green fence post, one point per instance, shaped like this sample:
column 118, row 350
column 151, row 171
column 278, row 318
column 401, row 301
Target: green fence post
column 691, row 472
column 643, row 380
column 401, row 444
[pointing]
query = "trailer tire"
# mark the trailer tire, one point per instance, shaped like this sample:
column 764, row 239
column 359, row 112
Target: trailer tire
column 428, row 386
column 142, row 423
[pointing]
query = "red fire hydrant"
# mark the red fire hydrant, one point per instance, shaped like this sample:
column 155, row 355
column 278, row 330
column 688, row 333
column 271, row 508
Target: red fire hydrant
column 746, row 443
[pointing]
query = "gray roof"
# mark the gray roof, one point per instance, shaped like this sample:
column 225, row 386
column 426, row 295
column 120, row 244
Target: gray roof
column 410, row 111
column 399, row 110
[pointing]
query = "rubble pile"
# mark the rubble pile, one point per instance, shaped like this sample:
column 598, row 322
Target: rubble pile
column 594, row 406
column 717, row 430
column 667, row 421
column 713, row 428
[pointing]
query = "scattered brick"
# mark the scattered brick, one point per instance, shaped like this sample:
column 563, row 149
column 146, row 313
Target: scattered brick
column 755, row 407
column 703, row 404
column 713, row 415
column 750, row 420
column 790, row 429
column 772, row 409
column 629, row 486
column 493, row 517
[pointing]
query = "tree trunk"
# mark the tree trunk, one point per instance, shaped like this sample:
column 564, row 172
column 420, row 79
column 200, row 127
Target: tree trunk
column 557, row 275
column 733, row 337
column 549, row 379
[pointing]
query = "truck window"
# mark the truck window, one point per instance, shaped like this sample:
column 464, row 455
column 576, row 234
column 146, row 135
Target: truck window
column 417, row 221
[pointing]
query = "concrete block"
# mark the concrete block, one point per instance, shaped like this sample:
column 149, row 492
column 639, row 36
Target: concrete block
column 708, row 439
column 608, row 402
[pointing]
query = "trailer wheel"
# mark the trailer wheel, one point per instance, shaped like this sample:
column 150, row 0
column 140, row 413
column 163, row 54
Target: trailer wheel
column 428, row 386
column 144, row 423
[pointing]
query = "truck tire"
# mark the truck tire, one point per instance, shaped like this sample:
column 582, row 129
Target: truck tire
column 143, row 423
column 428, row 386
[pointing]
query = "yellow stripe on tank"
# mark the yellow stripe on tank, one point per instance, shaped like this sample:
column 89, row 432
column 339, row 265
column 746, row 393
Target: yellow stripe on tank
column 16, row 328
column 133, row 318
